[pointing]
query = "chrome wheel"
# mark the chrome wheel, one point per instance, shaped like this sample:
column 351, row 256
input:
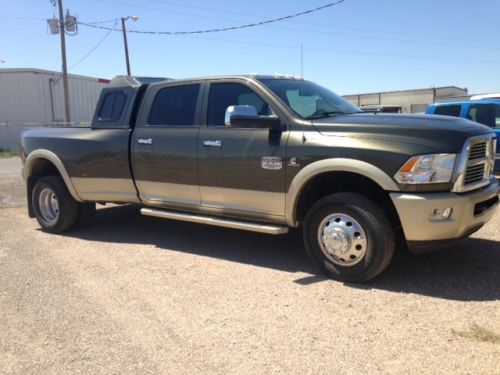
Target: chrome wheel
column 342, row 239
column 48, row 205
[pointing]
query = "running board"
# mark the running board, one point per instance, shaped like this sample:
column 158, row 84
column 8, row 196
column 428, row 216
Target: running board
column 227, row 223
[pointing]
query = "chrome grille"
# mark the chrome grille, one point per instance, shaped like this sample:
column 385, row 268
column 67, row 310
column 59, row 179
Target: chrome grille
column 477, row 150
column 474, row 173
column 475, row 163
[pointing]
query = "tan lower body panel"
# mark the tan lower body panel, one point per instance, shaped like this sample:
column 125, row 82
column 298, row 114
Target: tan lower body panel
column 216, row 198
column 105, row 189
column 244, row 200
column 415, row 213
column 156, row 192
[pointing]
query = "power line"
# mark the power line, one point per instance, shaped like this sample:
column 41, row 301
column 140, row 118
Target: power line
column 176, row 4
column 266, row 22
column 355, row 52
column 106, row 21
column 94, row 48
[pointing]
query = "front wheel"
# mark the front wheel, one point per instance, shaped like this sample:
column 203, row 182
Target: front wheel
column 348, row 237
column 55, row 209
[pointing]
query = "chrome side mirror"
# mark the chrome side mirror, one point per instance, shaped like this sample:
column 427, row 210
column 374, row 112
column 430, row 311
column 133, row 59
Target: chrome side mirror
column 239, row 110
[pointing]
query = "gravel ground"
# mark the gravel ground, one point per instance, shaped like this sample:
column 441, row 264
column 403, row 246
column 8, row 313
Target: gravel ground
column 132, row 294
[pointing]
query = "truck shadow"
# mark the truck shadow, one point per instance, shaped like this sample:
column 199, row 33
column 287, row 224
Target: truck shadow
column 466, row 272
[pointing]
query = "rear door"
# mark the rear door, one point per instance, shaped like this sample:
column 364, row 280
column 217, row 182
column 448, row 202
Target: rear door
column 164, row 146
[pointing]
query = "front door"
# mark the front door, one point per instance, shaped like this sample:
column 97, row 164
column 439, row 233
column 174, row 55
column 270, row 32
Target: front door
column 241, row 171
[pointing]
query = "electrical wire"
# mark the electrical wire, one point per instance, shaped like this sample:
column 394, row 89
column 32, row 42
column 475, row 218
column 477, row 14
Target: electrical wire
column 266, row 22
column 95, row 47
column 355, row 52
column 100, row 22
column 399, row 33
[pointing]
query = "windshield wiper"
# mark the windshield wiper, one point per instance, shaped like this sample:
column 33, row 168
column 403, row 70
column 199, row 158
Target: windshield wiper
column 323, row 114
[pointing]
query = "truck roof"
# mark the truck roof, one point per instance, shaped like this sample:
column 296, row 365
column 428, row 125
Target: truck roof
column 124, row 81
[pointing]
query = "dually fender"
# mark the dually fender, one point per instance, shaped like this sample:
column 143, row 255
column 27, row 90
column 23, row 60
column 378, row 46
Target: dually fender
column 332, row 165
column 54, row 159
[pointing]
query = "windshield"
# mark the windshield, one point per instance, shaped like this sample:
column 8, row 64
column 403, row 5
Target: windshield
column 309, row 100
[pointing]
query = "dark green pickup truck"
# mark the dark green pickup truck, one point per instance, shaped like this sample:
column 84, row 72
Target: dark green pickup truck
column 266, row 154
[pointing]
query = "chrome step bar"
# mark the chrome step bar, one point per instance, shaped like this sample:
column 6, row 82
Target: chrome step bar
column 227, row 223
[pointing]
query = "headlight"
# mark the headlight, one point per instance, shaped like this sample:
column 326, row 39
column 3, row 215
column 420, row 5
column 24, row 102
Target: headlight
column 427, row 169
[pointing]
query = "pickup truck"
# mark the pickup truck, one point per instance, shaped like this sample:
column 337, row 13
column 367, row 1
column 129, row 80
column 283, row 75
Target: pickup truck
column 484, row 111
column 266, row 154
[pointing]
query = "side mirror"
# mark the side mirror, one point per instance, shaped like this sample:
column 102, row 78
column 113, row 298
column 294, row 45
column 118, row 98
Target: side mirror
column 246, row 116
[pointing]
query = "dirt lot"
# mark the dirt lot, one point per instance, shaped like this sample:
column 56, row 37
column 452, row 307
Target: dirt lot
column 132, row 294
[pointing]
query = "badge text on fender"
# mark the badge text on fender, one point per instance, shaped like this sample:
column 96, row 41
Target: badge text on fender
column 271, row 162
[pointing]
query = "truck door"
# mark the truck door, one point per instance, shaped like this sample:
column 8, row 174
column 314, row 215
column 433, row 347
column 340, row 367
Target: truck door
column 164, row 146
column 241, row 170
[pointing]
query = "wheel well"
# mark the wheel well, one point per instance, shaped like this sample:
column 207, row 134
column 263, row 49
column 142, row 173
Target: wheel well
column 335, row 182
column 40, row 168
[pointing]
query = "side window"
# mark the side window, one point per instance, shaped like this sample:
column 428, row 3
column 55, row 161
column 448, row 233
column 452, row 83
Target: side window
column 223, row 95
column 448, row 110
column 112, row 106
column 174, row 106
column 486, row 114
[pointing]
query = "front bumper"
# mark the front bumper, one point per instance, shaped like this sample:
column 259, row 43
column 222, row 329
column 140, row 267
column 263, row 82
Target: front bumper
column 469, row 212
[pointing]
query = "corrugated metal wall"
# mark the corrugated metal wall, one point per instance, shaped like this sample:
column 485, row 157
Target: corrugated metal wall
column 33, row 97
column 409, row 100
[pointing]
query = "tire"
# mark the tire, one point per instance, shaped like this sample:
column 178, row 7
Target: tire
column 87, row 212
column 348, row 237
column 55, row 209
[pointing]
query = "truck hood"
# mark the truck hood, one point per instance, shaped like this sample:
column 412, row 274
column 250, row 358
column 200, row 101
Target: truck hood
column 440, row 133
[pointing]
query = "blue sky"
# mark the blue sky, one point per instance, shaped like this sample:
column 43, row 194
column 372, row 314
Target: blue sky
column 355, row 47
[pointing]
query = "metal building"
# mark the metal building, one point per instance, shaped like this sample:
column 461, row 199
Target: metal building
column 411, row 101
column 34, row 97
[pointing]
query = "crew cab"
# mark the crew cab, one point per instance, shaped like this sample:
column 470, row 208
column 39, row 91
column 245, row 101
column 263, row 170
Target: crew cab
column 266, row 154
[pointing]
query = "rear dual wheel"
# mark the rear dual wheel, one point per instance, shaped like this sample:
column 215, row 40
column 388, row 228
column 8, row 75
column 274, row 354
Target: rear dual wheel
column 55, row 209
column 348, row 237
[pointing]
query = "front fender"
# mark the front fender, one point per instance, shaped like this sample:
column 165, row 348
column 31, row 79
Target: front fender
column 332, row 165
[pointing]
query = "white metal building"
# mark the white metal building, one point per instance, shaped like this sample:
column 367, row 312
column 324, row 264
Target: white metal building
column 411, row 101
column 35, row 97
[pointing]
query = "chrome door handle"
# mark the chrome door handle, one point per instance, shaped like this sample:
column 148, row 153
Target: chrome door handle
column 143, row 141
column 212, row 143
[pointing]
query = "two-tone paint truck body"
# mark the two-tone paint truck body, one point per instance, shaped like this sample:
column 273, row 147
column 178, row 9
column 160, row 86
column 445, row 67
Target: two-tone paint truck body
column 267, row 154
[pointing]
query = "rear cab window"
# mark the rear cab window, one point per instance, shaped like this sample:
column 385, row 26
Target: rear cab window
column 112, row 106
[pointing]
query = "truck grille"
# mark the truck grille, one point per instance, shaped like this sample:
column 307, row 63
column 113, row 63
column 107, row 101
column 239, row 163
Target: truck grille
column 474, row 173
column 477, row 150
column 475, row 164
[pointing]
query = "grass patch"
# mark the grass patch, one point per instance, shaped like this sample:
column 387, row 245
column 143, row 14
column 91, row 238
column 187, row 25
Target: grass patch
column 479, row 334
column 8, row 154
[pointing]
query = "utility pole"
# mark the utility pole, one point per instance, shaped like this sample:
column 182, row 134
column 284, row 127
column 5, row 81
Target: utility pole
column 64, row 65
column 125, row 43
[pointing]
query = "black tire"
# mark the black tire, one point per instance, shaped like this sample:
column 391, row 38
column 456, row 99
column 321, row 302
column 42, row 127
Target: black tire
column 54, row 217
column 87, row 212
column 348, row 237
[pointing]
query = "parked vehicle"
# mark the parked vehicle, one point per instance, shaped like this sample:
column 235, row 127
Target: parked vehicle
column 493, row 96
column 483, row 111
column 266, row 154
